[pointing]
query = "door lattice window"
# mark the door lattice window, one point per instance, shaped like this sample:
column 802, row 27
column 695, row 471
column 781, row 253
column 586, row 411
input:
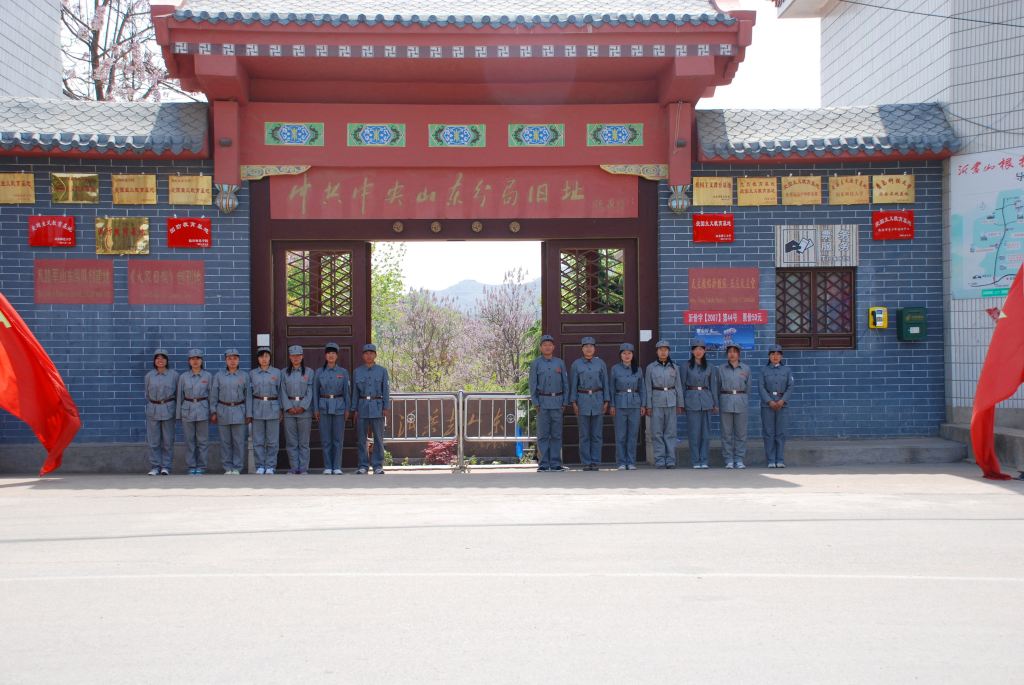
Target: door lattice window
column 814, row 308
column 318, row 283
column 591, row 281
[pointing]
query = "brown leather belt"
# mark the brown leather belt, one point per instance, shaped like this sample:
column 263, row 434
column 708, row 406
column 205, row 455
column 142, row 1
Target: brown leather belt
column 161, row 401
column 629, row 390
column 550, row 394
column 371, row 397
column 733, row 392
column 231, row 404
column 329, row 397
column 295, row 399
column 265, row 399
column 697, row 387
column 589, row 392
column 657, row 388
column 196, row 399
column 772, row 392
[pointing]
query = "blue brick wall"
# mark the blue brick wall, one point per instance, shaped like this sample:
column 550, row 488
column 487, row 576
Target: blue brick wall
column 883, row 388
column 104, row 351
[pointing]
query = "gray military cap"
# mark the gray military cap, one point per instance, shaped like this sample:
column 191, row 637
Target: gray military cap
column 262, row 349
column 662, row 343
column 161, row 352
column 295, row 349
column 546, row 338
column 369, row 347
column 195, row 352
column 733, row 345
column 588, row 340
column 698, row 342
column 775, row 348
column 332, row 346
column 231, row 352
column 626, row 347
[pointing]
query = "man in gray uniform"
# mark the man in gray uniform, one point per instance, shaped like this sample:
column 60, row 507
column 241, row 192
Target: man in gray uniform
column 733, row 391
column 776, row 388
column 549, row 393
column 231, row 410
column 371, row 397
column 588, row 383
column 664, row 389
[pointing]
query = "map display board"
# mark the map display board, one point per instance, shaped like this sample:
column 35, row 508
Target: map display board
column 987, row 222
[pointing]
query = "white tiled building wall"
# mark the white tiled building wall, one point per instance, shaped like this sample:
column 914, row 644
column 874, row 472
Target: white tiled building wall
column 874, row 55
column 30, row 49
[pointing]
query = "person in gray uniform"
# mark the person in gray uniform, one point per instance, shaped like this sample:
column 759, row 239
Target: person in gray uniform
column 193, row 408
column 231, row 410
column 733, row 379
column 371, row 397
column 664, row 401
column 265, row 386
column 776, row 388
column 549, row 393
column 588, row 392
column 628, row 398
column 331, row 388
column 161, row 399
column 699, row 402
column 297, row 402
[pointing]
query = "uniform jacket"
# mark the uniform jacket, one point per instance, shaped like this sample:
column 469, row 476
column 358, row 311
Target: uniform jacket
column 197, row 387
column 161, row 386
column 265, row 384
column 706, row 379
column 372, row 382
column 589, row 374
column 549, row 376
column 299, row 385
column 623, row 379
column 231, row 387
column 737, row 378
column 776, row 383
column 332, row 382
column 660, row 375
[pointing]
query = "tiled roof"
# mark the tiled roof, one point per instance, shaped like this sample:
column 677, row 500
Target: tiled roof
column 774, row 133
column 86, row 126
column 457, row 13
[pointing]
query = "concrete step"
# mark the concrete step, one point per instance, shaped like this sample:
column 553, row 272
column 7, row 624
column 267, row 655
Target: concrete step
column 1009, row 443
column 828, row 452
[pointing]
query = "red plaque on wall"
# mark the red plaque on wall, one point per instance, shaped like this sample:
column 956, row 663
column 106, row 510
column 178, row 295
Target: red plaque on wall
column 723, row 288
column 166, row 282
column 188, row 232
column 74, row 281
column 51, row 231
column 714, row 228
column 893, row 225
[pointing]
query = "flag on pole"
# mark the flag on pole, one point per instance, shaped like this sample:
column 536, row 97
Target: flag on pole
column 31, row 388
column 1001, row 376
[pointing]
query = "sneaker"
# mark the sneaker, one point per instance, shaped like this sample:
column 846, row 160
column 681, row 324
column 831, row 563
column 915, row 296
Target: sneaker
column 696, row 466
column 360, row 471
column 780, row 465
column 191, row 472
column 541, row 469
column 771, row 464
column 621, row 467
column 631, row 467
column 165, row 472
column 260, row 471
column 154, row 472
column 200, row 472
column 728, row 465
column 704, row 466
column 302, row 472
column 328, row 472
column 337, row 472
column 740, row 465
column 270, row 472
column 378, row 472
column 670, row 466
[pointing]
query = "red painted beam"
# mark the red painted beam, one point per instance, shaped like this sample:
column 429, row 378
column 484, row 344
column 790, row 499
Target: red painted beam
column 222, row 78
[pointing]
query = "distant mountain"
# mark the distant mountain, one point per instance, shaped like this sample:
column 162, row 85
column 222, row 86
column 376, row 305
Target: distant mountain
column 469, row 294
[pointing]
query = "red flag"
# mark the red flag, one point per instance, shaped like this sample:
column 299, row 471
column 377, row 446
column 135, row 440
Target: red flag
column 32, row 389
column 1001, row 375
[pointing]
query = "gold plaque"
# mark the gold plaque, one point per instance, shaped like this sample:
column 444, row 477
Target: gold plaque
column 69, row 188
column 801, row 190
column 17, row 189
column 893, row 188
column 849, row 190
column 133, row 189
column 712, row 190
column 751, row 192
column 122, row 235
column 189, row 190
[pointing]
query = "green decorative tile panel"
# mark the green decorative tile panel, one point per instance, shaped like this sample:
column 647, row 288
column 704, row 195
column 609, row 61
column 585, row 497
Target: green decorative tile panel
column 615, row 134
column 536, row 135
column 288, row 133
column 457, row 135
column 376, row 135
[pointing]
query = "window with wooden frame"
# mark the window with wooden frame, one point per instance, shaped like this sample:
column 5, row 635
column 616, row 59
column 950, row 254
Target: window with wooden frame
column 814, row 308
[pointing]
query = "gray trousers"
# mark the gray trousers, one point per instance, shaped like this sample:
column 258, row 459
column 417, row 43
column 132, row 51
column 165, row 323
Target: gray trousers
column 734, row 436
column 549, row 438
column 698, row 430
column 773, row 430
column 591, row 430
column 197, row 443
column 627, row 428
column 232, row 445
column 266, row 437
column 160, row 436
column 376, row 426
column 663, row 435
column 296, row 439
column 332, row 436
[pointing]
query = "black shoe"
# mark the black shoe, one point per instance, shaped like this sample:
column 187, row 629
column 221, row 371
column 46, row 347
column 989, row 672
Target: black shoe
column 670, row 466
column 542, row 469
column 361, row 471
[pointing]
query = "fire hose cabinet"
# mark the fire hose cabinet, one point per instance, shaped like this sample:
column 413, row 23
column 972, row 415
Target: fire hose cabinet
column 911, row 324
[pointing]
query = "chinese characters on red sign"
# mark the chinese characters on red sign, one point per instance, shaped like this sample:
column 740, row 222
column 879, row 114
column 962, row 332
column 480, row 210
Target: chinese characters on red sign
column 713, row 228
column 51, row 231
column 188, row 232
column 755, row 316
column 453, row 194
column 166, row 282
column 893, row 225
column 725, row 296
column 74, row 281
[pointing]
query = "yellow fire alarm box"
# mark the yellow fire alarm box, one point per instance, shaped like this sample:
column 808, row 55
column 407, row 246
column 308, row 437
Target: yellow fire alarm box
column 912, row 324
column 878, row 317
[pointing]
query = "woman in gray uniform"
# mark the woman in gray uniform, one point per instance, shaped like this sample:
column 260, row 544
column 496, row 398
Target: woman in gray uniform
column 193, row 409
column 331, row 392
column 628, row 395
column 664, row 401
column 161, row 394
column 776, row 389
column 588, row 393
column 699, row 401
column 297, row 402
column 265, row 384
column 231, row 405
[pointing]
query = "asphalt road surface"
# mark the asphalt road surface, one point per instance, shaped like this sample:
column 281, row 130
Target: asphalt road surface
column 837, row 575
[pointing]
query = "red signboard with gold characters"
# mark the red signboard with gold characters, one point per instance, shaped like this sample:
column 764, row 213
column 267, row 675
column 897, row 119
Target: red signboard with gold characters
column 893, row 225
column 713, row 228
column 188, row 232
column 74, row 281
column 162, row 281
column 51, row 231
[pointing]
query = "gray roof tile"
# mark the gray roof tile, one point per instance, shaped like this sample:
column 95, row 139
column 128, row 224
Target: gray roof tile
column 86, row 126
column 774, row 133
column 455, row 12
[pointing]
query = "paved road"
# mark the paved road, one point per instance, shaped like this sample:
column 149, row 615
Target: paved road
column 839, row 575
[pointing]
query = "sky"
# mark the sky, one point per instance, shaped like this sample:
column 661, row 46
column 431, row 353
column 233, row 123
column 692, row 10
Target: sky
column 779, row 71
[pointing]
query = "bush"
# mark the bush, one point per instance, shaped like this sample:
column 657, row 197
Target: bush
column 444, row 452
